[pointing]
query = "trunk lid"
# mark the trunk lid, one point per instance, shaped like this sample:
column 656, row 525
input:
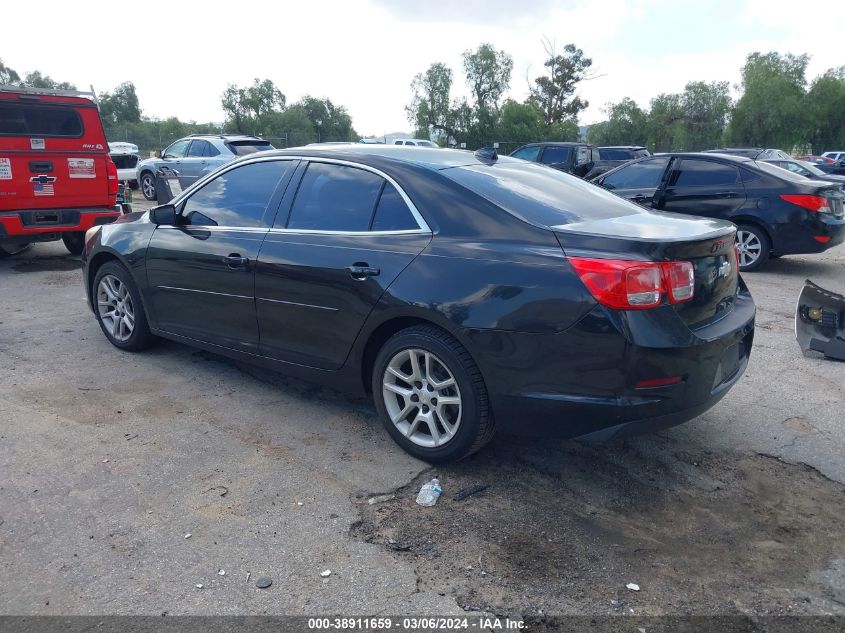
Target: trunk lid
column 652, row 236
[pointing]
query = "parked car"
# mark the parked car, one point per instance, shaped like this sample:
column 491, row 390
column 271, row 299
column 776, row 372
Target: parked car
column 466, row 292
column 125, row 158
column 610, row 157
column 195, row 156
column 752, row 152
column 836, row 157
column 573, row 158
column 56, row 177
column 776, row 212
column 416, row 142
column 808, row 170
column 816, row 160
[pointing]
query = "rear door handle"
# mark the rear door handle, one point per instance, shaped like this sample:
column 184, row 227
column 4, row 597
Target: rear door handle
column 727, row 194
column 235, row 261
column 362, row 271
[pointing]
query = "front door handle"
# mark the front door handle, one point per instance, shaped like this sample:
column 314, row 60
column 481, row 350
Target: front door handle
column 361, row 271
column 727, row 194
column 235, row 261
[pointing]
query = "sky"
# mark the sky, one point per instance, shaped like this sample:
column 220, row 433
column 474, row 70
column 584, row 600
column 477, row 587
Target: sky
column 363, row 54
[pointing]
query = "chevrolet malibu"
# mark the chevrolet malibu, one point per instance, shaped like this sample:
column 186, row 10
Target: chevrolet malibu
column 466, row 292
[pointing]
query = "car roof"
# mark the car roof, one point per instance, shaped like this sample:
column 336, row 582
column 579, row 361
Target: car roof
column 622, row 147
column 427, row 157
column 706, row 154
column 227, row 137
column 547, row 143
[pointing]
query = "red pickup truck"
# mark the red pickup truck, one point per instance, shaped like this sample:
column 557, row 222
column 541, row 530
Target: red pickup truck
column 56, row 177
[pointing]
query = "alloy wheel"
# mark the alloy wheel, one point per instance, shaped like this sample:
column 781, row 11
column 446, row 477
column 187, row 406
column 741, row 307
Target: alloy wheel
column 114, row 305
column 422, row 397
column 749, row 246
column 148, row 186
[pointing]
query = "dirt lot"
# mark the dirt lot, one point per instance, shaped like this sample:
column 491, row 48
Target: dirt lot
column 108, row 460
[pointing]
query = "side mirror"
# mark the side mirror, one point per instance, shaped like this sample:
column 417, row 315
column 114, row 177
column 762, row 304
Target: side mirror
column 165, row 214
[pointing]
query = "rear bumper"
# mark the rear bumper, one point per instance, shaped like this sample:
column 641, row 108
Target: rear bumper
column 41, row 224
column 582, row 382
column 811, row 235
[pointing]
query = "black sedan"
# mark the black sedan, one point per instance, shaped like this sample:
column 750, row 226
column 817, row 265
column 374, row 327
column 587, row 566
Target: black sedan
column 808, row 170
column 465, row 292
column 776, row 212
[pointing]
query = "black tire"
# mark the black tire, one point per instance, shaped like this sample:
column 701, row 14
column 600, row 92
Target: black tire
column 9, row 250
column 765, row 246
column 148, row 184
column 74, row 242
column 476, row 427
column 141, row 338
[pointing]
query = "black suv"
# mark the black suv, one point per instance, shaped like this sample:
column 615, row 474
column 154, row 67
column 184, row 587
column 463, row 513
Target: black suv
column 615, row 155
column 572, row 158
column 776, row 212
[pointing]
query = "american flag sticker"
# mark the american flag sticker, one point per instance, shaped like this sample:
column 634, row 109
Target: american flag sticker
column 44, row 190
column 43, row 185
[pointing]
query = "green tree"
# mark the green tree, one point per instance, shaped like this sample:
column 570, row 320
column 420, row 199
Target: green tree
column 488, row 75
column 8, row 75
column 520, row 123
column 627, row 124
column 120, row 106
column 770, row 112
column 430, row 106
column 706, row 107
column 245, row 106
column 35, row 79
column 826, row 108
column 329, row 121
column 665, row 122
column 554, row 92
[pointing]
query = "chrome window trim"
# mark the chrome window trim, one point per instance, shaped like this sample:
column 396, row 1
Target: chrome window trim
column 422, row 225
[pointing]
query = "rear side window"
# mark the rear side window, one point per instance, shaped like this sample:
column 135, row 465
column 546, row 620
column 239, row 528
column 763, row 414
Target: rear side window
column 704, row 173
column 609, row 153
column 237, row 197
column 392, row 214
column 30, row 120
column 527, row 153
column 541, row 196
column 646, row 174
column 555, row 155
column 335, row 198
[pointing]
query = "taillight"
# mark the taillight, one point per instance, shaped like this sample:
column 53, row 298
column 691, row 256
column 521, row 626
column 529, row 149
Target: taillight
column 631, row 285
column 819, row 204
column 111, row 171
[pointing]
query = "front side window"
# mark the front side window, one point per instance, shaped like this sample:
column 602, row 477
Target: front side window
column 555, row 155
column 705, row 173
column 236, row 198
column 527, row 153
column 26, row 120
column 177, row 150
column 645, row 174
column 335, row 198
column 583, row 156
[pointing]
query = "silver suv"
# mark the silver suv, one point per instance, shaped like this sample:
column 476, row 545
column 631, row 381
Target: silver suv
column 196, row 155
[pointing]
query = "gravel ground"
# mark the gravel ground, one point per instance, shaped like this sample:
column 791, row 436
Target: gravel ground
column 108, row 460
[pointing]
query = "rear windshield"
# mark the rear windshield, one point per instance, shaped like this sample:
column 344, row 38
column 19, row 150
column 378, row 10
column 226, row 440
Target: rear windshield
column 242, row 148
column 540, row 195
column 31, row 120
column 617, row 154
column 778, row 172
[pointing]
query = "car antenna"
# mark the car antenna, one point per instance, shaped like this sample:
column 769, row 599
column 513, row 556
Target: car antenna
column 486, row 153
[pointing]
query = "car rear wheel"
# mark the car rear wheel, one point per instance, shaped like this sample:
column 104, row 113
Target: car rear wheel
column 430, row 395
column 148, row 185
column 119, row 310
column 753, row 245
column 74, row 242
column 9, row 250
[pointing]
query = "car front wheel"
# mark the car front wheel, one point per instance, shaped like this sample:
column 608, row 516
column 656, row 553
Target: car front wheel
column 430, row 395
column 753, row 245
column 148, row 185
column 119, row 310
